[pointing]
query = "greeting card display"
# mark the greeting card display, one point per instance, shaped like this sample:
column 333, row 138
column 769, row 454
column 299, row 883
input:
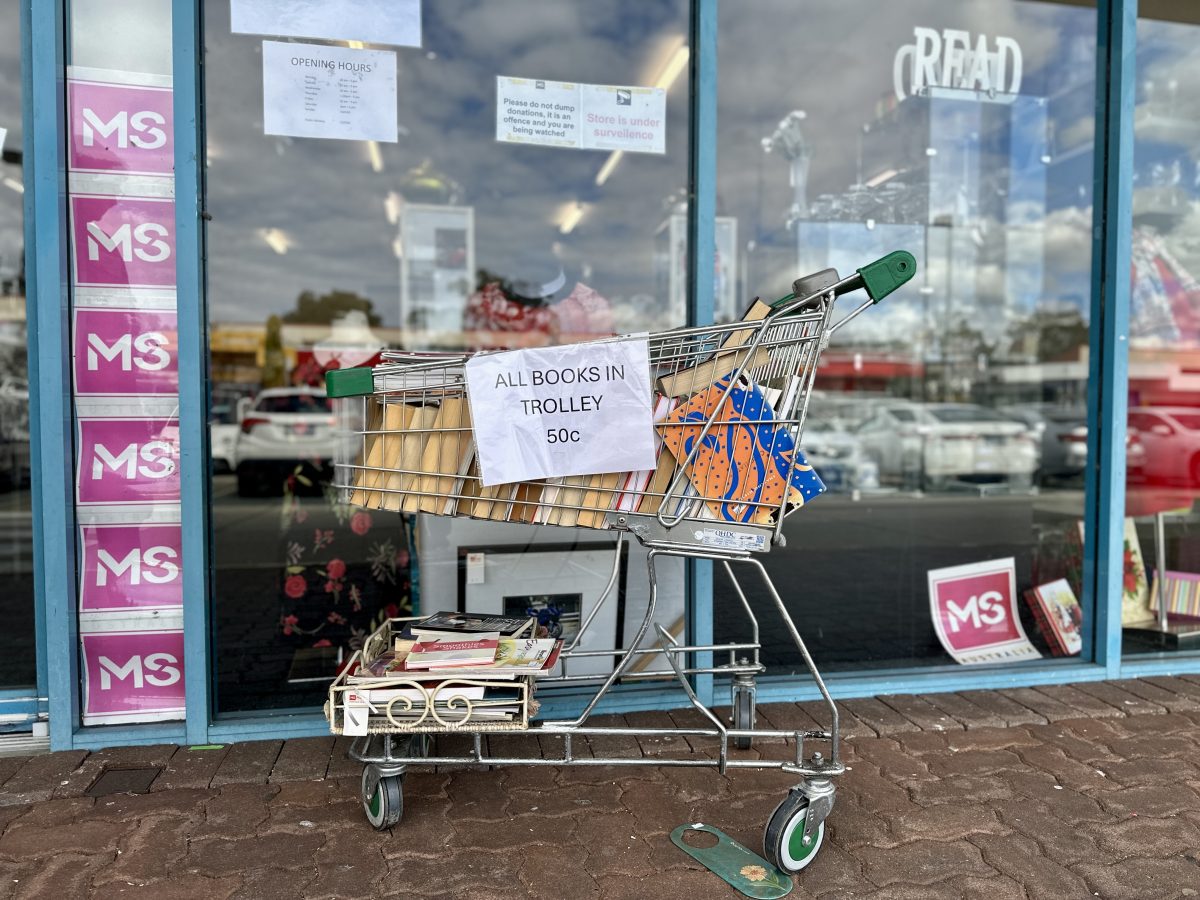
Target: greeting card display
column 1059, row 616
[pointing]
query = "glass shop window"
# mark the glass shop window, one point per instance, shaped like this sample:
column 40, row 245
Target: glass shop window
column 948, row 422
column 1160, row 609
column 16, row 534
column 440, row 220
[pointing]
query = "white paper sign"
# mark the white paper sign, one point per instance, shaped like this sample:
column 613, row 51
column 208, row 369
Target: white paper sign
column 310, row 90
column 974, row 610
column 633, row 119
column 581, row 116
column 576, row 409
column 356, row 711
column 395, row 22
column 3, row 135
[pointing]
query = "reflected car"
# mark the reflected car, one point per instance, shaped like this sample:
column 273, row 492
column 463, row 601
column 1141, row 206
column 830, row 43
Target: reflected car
column 838, row 457
column 1171, row 438
column 222, row 438
column 281, row 429
column 1063, row 434
column 933, row 445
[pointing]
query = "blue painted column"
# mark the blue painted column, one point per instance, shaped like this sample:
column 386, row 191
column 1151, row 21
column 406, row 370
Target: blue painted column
column 187, row 62
column 1108, row 375
column 702, row 207
column 51, row 435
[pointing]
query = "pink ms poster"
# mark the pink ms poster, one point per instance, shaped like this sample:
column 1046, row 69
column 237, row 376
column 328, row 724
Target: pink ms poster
column 119, row 351
column 132, row 676
column 122, row 241
column 974, row 609
column 128, row 461
column 129, row 567
column 125, row 128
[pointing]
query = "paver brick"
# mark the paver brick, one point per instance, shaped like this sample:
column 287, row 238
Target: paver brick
column 970, row 714
column 189, row 886
column 882, row 719
column 922, row 862
column 960, row 789
column 1149, row 800
column 1021, row 859
column 1146, row 836
column 247, row 763
column 31, row 841
column 991, row 739
column 1169, row 698
column 946, row 822
column 1043, row 704
column 1140, row 878
column 974, row 762
column 1132, row 704
column 40, row 775
column 1061, row 842
column 79, row 780
column 921, row 712
column 215, row 857
column 1082, row 704
column 188, row 768
column 1007, row 710
column 307, row 758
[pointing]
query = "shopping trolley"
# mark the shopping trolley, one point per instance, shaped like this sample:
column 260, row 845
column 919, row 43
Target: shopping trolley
column 410, row 449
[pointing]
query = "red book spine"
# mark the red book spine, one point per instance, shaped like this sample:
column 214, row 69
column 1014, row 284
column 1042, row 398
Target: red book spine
column 1049, row 632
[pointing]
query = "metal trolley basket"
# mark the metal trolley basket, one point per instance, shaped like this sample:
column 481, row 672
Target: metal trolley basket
column 772, row 355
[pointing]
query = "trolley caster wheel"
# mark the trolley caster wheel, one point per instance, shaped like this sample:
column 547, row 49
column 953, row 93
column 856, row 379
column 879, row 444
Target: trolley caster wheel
column 783, row 842
column 382, row 798
column 743, row 717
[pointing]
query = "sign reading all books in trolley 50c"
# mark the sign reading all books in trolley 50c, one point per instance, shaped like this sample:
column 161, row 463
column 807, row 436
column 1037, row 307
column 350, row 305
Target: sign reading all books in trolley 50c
column 577, row 409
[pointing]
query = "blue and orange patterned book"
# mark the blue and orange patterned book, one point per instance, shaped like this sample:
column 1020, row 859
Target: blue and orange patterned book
column 748, row 458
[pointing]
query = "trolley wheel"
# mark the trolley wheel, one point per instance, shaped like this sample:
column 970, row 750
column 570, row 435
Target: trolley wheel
column 783, row 842
column 743, row 717
column 382, row 798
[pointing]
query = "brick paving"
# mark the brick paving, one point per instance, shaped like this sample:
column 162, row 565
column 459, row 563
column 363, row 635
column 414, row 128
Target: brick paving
column 1091, row 790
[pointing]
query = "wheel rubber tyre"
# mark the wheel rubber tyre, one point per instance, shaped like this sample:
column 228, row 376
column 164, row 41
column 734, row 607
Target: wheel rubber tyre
column 783, row 842
column 382, row 798
column 743, row 717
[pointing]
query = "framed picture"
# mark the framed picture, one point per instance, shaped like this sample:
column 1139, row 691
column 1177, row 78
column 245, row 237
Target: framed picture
column 559, row 584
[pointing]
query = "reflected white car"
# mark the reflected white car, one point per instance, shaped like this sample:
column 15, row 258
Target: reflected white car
column 838, row 457
column 931, row 445
column 283, row 428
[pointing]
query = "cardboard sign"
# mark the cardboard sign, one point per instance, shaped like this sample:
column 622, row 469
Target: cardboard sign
column 132, row 676
column 575, row 409
column 117, row 127
column 127, row 567
column 121, row 351
column 128, row 461
column 123, row 241
column 974, row 609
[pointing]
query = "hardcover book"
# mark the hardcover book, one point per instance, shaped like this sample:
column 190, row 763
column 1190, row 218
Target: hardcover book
column 454, row 652
column 1058, row 615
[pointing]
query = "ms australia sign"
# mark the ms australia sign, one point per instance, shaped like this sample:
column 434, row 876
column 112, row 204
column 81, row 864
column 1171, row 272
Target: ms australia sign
column 954, row 61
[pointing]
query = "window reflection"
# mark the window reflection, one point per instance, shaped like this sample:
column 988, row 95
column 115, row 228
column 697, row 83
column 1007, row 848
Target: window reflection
column 16, row 527
column 1164, row 397
column 322, row 253
column 949, row 421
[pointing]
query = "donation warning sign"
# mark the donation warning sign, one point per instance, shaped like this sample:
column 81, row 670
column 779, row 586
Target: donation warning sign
column 577, row 409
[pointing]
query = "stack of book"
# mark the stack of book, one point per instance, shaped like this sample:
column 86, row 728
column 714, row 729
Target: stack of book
column 455, row 669
column 418, row 453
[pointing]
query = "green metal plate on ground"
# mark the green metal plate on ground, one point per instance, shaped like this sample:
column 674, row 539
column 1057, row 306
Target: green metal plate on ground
column 741, row 868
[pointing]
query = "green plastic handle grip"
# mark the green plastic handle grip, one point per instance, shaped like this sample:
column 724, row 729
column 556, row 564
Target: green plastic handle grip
column 350, row 382
column 887, row 273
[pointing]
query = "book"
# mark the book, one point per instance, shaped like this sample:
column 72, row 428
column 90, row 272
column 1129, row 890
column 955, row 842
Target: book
column 454, row 651
column 747, row 462
column 568, row 500
column 598, row 498
column 722, row 363
column 447, row 455
column 366, row 473
column 526, row 654
column 1058, row 615
column 634, row 484
column 405, row 457
column 1180, row 593
column 441, row 624
column 387, row 452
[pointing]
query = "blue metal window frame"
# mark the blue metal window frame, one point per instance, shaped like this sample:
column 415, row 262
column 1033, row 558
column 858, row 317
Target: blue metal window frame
column 44, row 30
